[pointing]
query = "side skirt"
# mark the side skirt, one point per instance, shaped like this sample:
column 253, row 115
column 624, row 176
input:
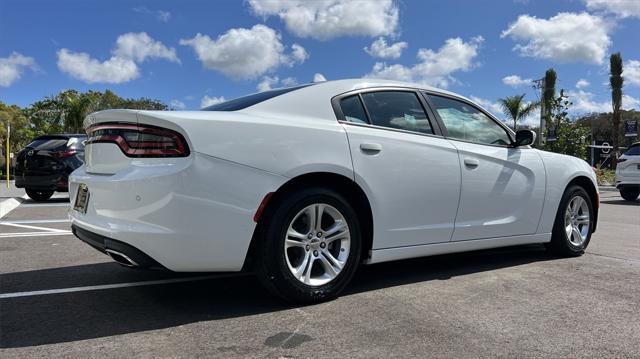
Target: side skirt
column 392, row 254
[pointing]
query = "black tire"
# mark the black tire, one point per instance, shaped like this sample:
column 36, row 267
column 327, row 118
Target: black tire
column 630, row 194
column 271, row 264
column 38, row 195
column 560, row 243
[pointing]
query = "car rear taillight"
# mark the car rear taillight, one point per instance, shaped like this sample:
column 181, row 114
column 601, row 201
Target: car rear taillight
column 63, row 154
column 140, row 140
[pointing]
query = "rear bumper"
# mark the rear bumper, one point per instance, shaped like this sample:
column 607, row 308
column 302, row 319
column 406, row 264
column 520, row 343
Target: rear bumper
column 51, row 182
column 102, row 244
column 188, row 214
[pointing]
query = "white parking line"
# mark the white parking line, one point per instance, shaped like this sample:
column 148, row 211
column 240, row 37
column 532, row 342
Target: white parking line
column 34, row 234
column 64, row 220
column 33, row 227
column 8, row 205
column 118, row 285
column 63, row 204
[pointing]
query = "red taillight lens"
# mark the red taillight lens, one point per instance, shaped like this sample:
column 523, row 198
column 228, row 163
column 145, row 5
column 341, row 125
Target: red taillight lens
column 140, row 140
column 63, row 154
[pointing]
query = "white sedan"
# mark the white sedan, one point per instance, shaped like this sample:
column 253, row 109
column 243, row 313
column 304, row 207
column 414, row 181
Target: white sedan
column 303, row 184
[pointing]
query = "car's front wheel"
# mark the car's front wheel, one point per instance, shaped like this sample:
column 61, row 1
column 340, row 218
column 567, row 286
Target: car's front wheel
column 38, row 195
column 310, row 246
column 630, row 194
column 574, row 223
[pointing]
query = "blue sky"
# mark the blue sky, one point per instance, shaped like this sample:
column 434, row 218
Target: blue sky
column 481, row 49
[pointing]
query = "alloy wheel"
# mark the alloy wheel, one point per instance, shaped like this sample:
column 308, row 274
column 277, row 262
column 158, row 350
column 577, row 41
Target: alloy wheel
column 317, row 243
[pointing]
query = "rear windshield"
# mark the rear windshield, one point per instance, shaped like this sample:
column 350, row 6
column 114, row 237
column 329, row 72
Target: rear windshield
column 633, row 150
column 57, row 143
column 250, row 100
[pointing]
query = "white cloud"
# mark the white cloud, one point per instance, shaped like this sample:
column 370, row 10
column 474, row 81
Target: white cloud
column 244, row 53
column 210, row 101
column 12, row 68
column 131, row 50
column 515, row 81
column 435, row 67
column 564, row 38
column 318, row 77
column 298, row 54
column 177, row 104
column 267, row 83
column 270, row 82
column 584, row 102
column 621, row 8
column 82, row 67
column 631, row 72
column 289, row 81
column 140, row 46
column 328, row 19
column 379, row 48
column 160, row 15
column 582, row 83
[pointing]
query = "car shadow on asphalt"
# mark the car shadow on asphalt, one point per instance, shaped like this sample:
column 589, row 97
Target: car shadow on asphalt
column 623, row 202
column 57, row 318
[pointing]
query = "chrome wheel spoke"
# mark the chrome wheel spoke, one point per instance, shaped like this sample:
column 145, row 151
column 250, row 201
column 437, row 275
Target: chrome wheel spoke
column 309, row 255
column 576, row 235
column 583, row 219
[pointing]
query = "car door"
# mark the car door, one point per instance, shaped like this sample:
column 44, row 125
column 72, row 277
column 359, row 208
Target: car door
column 503, row 187
column 410, row 173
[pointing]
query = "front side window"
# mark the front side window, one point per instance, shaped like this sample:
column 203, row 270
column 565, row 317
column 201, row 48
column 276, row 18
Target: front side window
column 465, row 122
column 397, row 109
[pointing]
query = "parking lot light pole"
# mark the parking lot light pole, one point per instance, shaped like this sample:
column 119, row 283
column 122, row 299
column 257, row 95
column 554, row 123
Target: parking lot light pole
column 8, row 134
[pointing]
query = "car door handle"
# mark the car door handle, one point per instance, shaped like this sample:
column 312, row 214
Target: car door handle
column 370, row 148
column 471, row 162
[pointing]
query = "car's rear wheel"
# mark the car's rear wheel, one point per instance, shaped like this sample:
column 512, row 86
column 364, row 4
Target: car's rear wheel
column 38, row 195
column 310, row 246
column 630, row 194
column 574, row 223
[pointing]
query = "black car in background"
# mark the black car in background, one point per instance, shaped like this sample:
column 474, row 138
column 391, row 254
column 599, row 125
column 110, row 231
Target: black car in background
column 43, row 167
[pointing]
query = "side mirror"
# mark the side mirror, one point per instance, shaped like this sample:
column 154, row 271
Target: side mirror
column 525, row 138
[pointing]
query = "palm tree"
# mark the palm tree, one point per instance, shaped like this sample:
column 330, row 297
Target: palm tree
column 516, row 109
column 616, row 81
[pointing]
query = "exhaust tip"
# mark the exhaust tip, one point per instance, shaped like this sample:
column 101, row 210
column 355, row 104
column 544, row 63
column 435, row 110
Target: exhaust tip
column 121, row 258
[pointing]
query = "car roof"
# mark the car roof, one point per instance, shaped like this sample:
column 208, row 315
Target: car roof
column 315, row 101
column 60, row 136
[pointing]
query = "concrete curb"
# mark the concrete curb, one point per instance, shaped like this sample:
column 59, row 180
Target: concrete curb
column 607, row 189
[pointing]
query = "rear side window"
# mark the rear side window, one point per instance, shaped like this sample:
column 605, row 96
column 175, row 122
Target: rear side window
column 49, row 144
column 353, row 110
column 250, row 100
column 633, row 151
column 397, row 109
column 465, row 122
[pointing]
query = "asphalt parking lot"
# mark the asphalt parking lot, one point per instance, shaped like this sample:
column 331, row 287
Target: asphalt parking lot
column 59, row 297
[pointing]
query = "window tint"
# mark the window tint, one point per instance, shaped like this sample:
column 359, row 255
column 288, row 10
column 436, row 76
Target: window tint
column 353, row 110
column 467, row 123
column 634, row 150
column 76, row 143
column 397, row 109
column 250, row 100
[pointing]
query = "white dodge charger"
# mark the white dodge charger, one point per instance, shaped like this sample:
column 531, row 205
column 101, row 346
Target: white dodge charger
column 303, row 184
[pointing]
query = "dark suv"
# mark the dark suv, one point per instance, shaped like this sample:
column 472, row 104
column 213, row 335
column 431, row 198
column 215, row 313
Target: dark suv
column 43, row 167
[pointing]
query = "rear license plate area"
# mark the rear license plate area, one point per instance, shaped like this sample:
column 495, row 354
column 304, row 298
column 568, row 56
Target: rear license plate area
column 82, row 199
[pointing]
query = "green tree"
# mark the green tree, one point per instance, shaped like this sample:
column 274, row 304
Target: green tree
column 616, row 82
column 571, row 135
column 516, row 109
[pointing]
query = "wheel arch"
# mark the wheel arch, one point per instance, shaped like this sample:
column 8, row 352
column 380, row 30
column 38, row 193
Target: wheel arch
column 337, row 182
column 586, row 183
